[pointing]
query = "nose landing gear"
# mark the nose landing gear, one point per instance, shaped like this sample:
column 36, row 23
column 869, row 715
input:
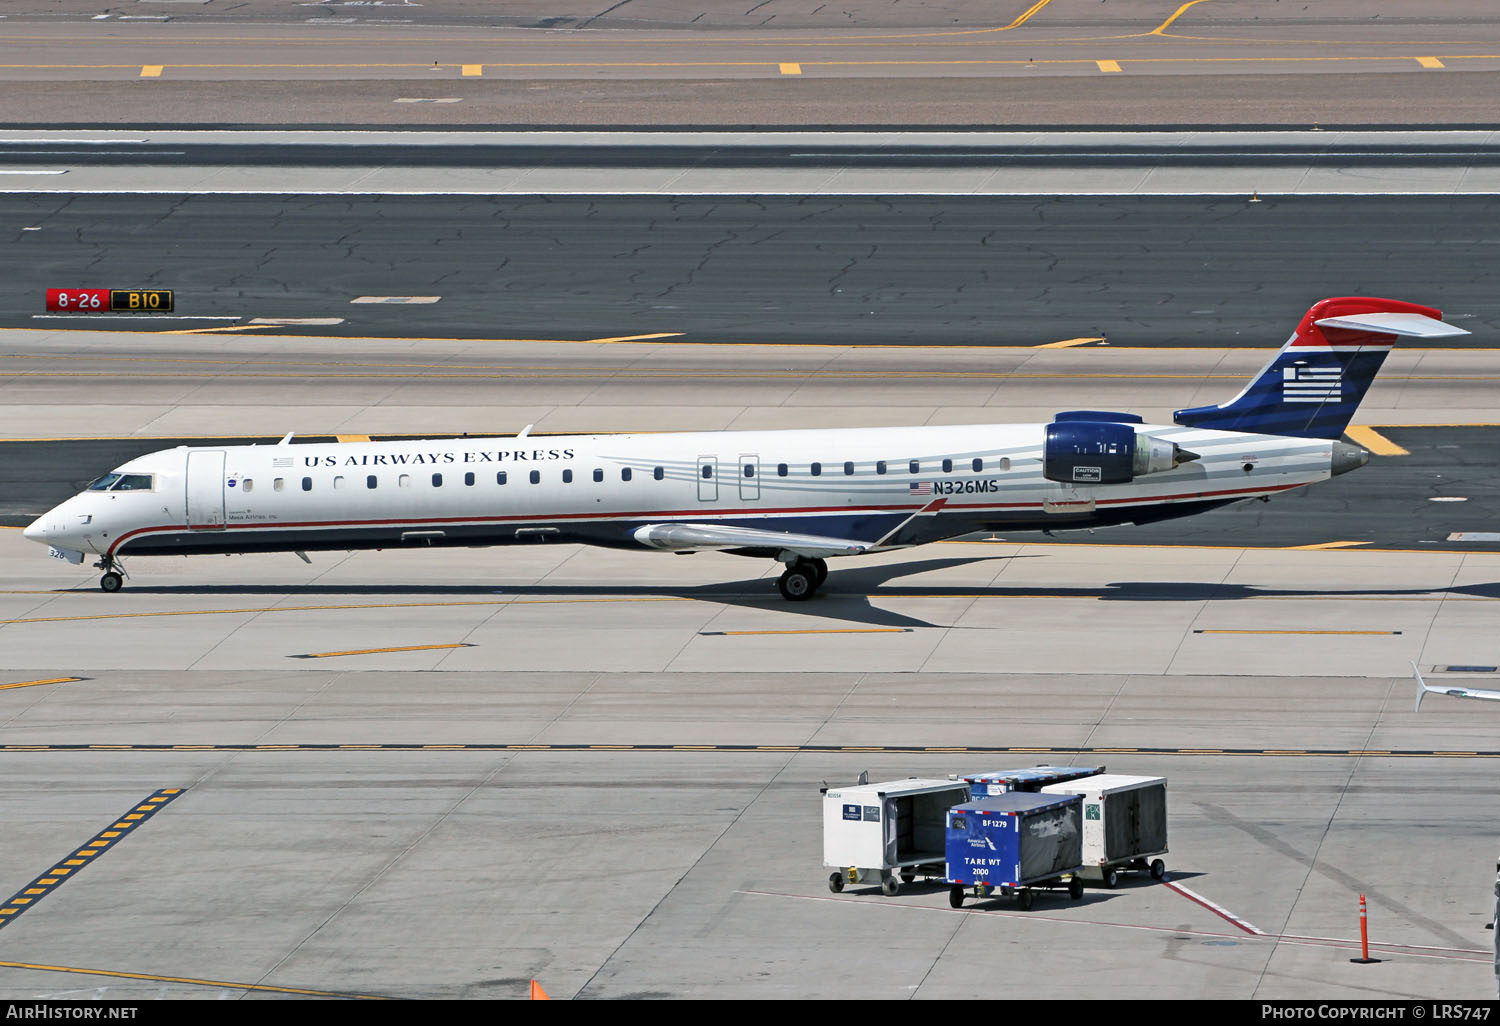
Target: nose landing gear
column 802, row 579
column 114, row 573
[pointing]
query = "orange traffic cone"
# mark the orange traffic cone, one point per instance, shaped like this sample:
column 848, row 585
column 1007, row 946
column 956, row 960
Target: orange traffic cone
column 537, row 993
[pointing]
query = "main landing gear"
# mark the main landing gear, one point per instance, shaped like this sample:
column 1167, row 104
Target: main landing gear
column 114, row 573
column 802, row 579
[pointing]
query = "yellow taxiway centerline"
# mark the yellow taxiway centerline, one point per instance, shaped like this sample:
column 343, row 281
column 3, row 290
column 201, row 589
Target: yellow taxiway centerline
column 36, row 683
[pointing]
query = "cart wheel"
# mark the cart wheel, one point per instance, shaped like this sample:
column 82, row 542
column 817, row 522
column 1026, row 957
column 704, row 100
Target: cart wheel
column 1111, row 877
column 1075, row 888
column 956, row 896
column 889, row 886
column 1158, row 869
column 835, row 882
column 907, row 876
column 1025, row 899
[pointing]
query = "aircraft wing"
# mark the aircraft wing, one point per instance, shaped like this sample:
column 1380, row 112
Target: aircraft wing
column 1424, row 689
column 677, row 537
column 707, row 537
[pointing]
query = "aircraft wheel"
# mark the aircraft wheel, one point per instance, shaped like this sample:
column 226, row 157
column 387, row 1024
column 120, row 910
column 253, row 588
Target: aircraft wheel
column 111, row 581
column 1158, row 869
column 836, row 882
column 956, row 896
column 798, row 584
column 820, row 569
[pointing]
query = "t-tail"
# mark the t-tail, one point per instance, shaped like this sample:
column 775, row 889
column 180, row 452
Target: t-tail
column 1312, row 387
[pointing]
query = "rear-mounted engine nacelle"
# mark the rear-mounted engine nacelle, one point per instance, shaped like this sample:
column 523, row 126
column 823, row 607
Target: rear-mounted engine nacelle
column 1097, row 452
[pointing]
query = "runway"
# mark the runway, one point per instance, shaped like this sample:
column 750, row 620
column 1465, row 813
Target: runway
column 1190, row 270
column 448, row 773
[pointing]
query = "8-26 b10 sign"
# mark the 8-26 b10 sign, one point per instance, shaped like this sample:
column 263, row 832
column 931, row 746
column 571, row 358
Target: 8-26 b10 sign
column 113, row 300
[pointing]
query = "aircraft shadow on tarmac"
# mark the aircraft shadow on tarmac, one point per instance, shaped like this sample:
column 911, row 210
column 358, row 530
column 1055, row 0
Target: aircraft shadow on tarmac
column 846, row 598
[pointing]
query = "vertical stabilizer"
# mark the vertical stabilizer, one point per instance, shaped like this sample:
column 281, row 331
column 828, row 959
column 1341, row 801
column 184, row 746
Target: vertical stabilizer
column 1312, row 387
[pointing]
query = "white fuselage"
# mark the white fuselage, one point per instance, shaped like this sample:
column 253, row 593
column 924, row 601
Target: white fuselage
column 858, row 483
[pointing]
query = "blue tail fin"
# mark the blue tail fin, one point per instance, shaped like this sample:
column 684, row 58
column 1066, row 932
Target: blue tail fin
column 1312, row 387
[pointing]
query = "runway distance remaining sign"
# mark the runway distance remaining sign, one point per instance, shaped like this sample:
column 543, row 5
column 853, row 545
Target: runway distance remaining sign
column 111, row 300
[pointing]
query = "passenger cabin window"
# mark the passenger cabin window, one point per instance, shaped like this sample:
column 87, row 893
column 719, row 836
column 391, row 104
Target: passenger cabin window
column 248, row 485
column 338, row 482
column 536, row 477
column 437, row 480
column 947, row 466
column 370, row 481
column 404, row 481
column 815, row 470
column 749, row 469
column 848, row 467
column 278, row 484
column 500, row 477
column 469, row 478
column 781, row 470
column 708, row 470
column 978, row 464
column 307, row 484
column 1004, row 462
column 914, row 467
column 598, row 474
column 658, row 473
column 624, row 473
column 567, row 477
column 880, row 466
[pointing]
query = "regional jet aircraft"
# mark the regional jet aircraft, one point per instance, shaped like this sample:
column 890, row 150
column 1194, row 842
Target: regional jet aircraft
column 1424, row 689
column 797, row 496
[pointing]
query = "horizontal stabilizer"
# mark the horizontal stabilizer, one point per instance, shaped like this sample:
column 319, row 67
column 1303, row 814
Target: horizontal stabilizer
column 1411, row 325
column 710, row 537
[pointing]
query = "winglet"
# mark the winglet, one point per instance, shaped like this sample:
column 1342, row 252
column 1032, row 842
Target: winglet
column 1421, row 686
column 288, row 439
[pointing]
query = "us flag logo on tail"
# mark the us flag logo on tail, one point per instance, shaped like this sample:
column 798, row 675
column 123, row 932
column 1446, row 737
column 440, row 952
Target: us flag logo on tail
column 1312, row 384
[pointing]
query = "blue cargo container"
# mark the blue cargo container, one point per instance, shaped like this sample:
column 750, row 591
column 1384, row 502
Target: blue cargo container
column 1013, row 843
column 1031, row 778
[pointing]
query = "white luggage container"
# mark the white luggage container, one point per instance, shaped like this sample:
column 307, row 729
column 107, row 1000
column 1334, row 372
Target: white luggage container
column 1124, row 824
column 884, row 831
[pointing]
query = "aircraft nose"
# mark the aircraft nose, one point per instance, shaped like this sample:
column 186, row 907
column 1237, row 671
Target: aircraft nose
column 37, row 532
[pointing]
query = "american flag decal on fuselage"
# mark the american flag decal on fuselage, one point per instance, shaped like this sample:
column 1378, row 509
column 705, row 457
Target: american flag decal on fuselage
column 1312, row 384
column 920, row 488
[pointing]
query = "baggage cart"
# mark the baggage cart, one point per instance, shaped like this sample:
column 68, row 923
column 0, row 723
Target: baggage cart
column 1013, row 844
column 887, row 832
column 1124, row 824
column 1030, row 778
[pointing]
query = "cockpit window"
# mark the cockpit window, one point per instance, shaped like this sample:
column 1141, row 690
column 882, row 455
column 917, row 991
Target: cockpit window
column 132, row 483
column 121, row 483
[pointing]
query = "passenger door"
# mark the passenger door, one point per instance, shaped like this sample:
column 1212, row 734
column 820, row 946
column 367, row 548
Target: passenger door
column 205, row 490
